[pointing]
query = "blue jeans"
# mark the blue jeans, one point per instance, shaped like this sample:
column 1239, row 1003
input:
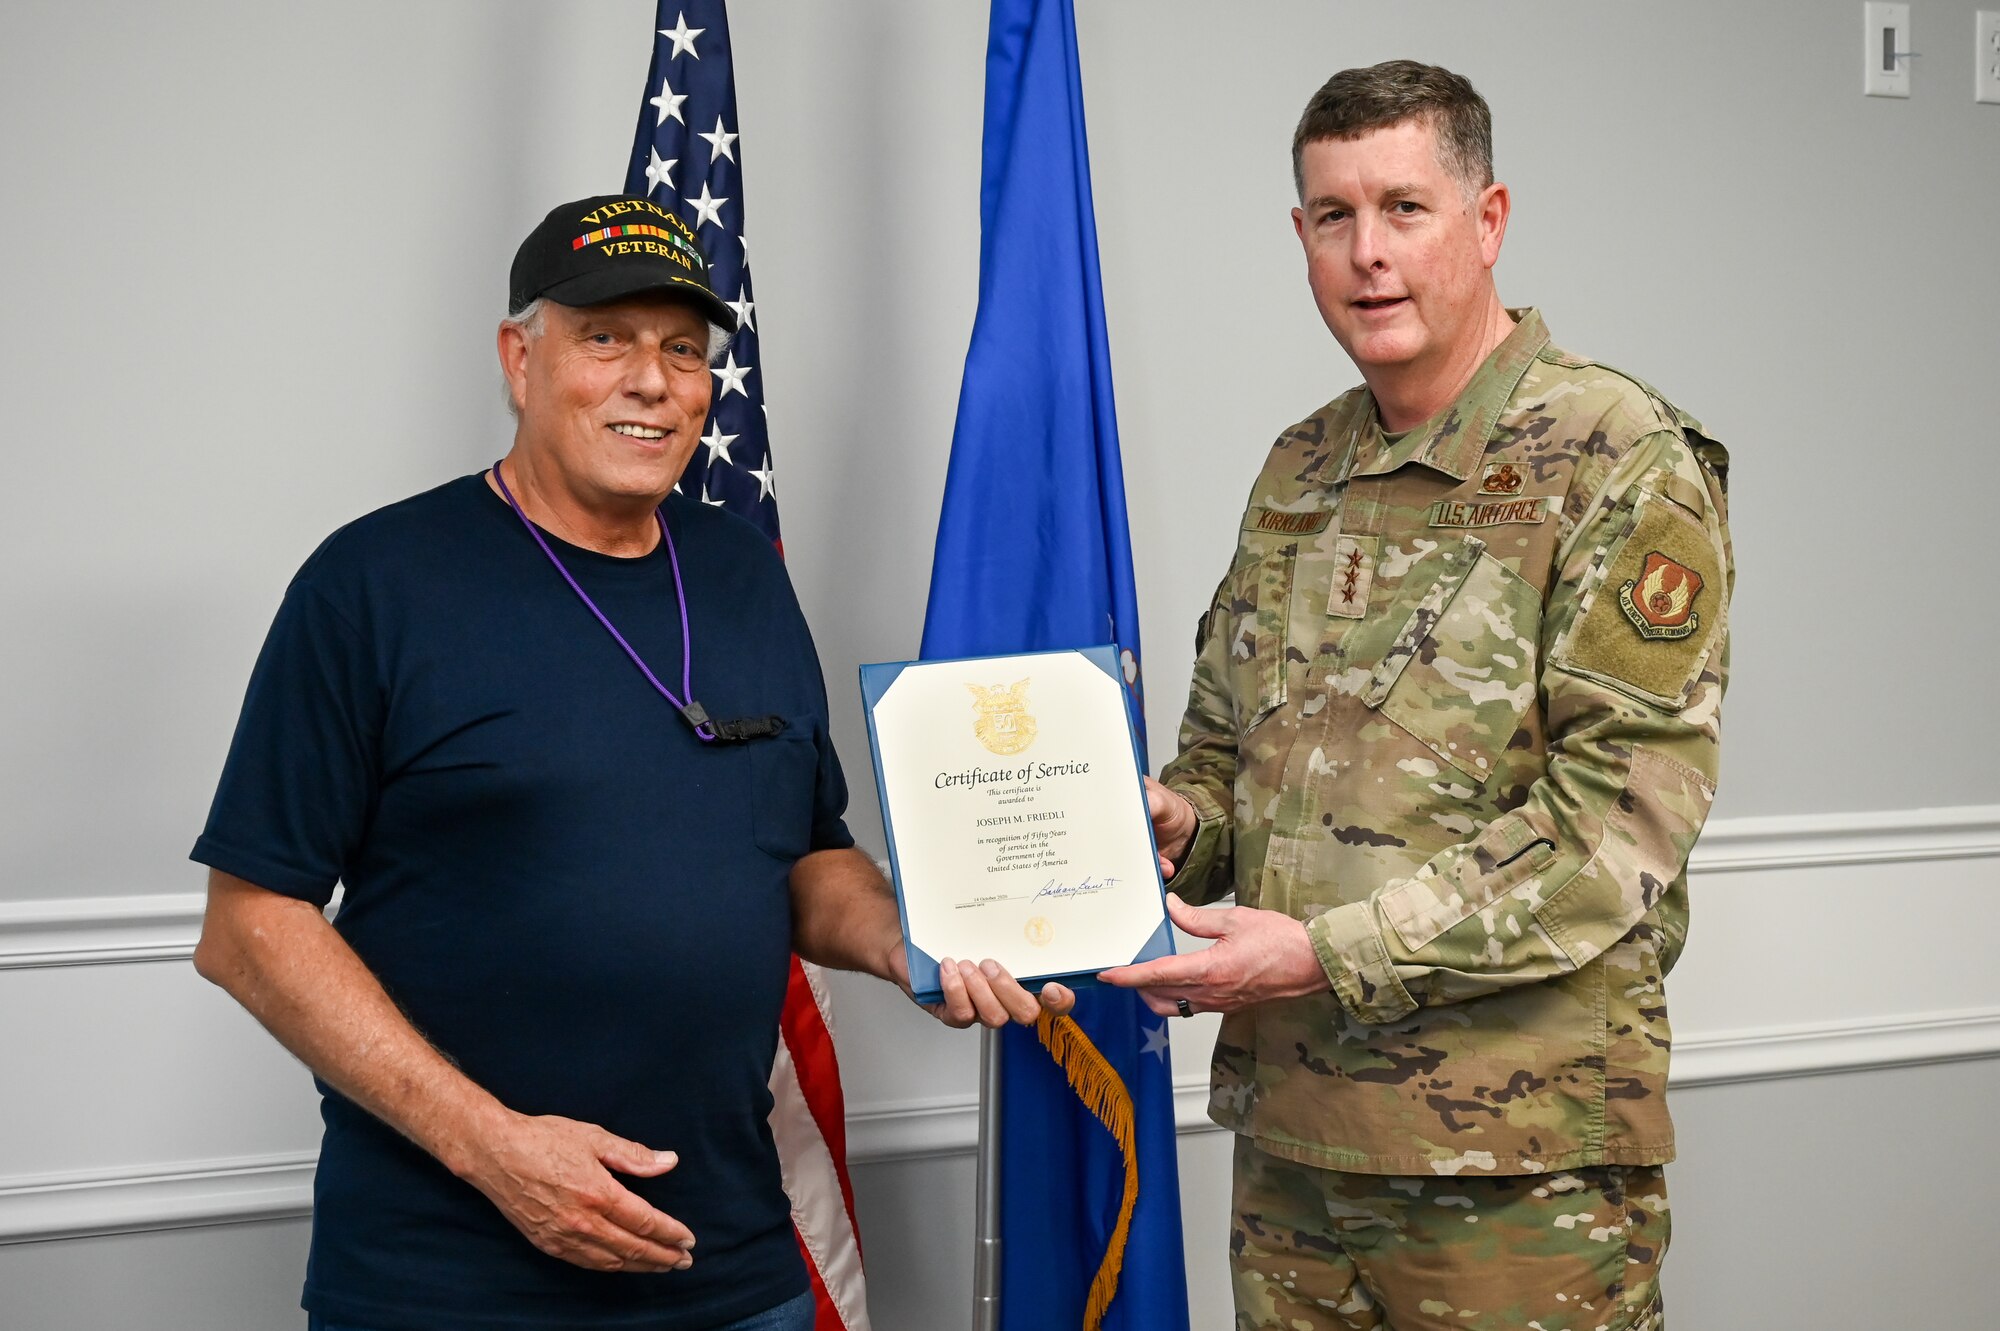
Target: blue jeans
column 792, row 1315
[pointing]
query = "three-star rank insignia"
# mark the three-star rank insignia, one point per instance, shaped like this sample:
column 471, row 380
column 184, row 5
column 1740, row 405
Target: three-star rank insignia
column 1353, row 576
column 1660, row 601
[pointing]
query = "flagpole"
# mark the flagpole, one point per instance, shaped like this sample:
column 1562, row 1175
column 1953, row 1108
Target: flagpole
column 986, row 1235
column 1041, row 302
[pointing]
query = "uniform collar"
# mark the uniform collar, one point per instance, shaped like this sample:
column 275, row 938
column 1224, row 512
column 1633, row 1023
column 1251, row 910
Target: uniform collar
column 1454, row 440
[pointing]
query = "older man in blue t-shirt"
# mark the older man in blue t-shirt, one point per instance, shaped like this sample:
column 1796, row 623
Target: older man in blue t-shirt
column 561, row 733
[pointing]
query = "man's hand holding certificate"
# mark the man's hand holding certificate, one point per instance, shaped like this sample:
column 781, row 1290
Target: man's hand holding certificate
column 1017, row 822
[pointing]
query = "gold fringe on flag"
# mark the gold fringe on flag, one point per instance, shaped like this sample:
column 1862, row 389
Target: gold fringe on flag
column 1104, row 1094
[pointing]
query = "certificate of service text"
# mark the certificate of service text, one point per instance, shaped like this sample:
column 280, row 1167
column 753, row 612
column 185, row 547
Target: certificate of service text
column 1016, row 816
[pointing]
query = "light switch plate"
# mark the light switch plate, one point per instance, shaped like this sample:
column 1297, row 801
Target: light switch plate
column 1986, row 54
column 1885, row 50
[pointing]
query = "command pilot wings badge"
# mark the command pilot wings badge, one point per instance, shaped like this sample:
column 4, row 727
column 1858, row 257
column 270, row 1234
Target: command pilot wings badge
column 1660, row 601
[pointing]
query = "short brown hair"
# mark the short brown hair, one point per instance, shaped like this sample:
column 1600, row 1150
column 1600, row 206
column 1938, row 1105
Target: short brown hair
column 1357, row 101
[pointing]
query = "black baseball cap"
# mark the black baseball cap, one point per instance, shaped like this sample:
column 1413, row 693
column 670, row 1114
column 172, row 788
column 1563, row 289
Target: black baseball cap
column 610, row 246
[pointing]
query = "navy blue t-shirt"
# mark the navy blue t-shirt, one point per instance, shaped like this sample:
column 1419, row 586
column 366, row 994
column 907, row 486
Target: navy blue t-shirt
column 574, row 899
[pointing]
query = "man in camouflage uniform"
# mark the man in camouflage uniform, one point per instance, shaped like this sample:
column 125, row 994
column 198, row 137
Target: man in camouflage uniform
column 1452, row 733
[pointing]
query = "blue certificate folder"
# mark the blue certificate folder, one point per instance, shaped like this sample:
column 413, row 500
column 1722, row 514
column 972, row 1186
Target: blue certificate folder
column 924, row 980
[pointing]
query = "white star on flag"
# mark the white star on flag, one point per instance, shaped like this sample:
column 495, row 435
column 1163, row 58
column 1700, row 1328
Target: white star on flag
column 729, row 378
column 722, row 142
column 712, row 503
column 1156, row 1040
column 669, row 104
column 718, row 443
column 682, row 36
column 763, row 475
column 743, row 305
column 657, row 169
column 707, row 208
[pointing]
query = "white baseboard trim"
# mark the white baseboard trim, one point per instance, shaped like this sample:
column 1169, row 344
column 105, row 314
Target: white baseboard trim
column 1811, row 841
column 278, row 1187
column 200, row 1192
column 950, row 1126
column 81, row 931
column 1725, row 1058
column 92, row 931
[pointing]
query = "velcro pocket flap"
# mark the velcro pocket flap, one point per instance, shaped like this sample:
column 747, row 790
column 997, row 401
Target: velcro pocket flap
column 1258, row 613
column 1454, row 564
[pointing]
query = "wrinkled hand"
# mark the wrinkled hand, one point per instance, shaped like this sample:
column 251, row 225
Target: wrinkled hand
column 1173, row 824
column 1259, row 955
column 984, row 993
column 552, row 1178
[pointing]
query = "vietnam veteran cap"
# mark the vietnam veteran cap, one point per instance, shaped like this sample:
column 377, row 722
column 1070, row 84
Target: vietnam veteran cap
column 608, row 247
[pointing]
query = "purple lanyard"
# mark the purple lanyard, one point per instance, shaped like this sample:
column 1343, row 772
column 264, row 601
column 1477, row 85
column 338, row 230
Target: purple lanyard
column 691, row 710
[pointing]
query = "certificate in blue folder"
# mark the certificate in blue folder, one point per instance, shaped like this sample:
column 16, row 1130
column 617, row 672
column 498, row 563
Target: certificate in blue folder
column 1016, row 815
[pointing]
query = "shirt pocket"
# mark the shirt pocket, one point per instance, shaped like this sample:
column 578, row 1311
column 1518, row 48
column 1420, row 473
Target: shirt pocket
column 784, row 773
column 1463, row 669
column 1258, row 609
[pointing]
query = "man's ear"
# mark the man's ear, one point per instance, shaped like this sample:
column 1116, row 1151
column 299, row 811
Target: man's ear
column 512, row 344
column 1495, row 203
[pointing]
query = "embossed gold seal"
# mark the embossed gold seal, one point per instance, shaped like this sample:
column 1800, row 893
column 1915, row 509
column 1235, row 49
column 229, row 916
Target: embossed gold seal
column 1039, row 931
column 1003, row 724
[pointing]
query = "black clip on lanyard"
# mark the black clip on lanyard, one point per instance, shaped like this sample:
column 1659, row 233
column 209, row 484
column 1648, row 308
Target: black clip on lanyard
column 740, row 730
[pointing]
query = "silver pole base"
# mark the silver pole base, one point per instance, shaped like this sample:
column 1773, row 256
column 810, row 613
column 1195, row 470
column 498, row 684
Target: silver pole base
column 986, row 1237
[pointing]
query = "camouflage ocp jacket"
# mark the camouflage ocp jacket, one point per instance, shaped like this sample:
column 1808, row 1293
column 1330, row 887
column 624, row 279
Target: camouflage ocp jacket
column 1456, row 706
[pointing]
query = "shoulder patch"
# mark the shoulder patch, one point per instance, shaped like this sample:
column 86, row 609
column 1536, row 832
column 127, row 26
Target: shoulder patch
column 1660, row 601
column 1652, row 620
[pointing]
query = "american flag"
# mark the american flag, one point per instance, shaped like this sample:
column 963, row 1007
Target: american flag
column 687, row 156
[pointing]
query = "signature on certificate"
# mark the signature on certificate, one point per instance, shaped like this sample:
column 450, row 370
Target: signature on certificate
column 1082, row 888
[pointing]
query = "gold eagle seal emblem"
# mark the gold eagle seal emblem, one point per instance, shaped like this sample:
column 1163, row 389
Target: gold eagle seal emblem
column 1001, row 716
column 1039, row 931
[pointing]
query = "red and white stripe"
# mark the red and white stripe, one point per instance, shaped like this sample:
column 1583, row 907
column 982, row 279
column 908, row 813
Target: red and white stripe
column 809, row 1121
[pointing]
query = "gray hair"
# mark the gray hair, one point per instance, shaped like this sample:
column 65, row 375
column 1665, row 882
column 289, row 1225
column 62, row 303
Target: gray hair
column 529, row 320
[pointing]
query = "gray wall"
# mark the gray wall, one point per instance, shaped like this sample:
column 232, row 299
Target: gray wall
column 254, row 255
